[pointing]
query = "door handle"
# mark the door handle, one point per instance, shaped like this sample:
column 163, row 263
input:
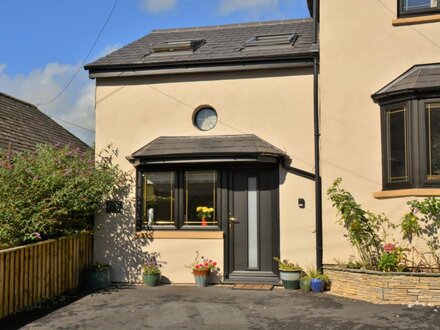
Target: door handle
column 233, row 220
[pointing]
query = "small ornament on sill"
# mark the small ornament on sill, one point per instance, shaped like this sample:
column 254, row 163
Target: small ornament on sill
column 204, row 213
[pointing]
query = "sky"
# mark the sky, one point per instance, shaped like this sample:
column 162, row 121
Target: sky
column 44, row 43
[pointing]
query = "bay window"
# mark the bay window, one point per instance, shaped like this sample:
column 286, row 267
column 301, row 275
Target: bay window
column 411, row 144
column 178, row 199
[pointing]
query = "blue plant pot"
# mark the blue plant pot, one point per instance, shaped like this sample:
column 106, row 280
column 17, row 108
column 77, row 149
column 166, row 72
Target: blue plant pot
column 317, row 285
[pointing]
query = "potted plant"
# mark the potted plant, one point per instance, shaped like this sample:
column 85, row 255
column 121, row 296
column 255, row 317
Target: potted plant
column 151, row 269
column 318, row 280
column 201, row 267
column 290, row 273
column 304, row 283
column 204, row 213
column 97, row 276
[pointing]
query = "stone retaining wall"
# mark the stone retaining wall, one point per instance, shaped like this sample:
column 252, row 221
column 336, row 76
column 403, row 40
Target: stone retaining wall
column 385, row 288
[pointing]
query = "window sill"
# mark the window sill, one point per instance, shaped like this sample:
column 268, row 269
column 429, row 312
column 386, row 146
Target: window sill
column 406, row 193
column 179, row 234
column 416, row 20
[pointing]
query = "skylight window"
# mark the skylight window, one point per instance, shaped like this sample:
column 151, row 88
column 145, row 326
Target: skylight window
column 177, row 46
column 270, row 40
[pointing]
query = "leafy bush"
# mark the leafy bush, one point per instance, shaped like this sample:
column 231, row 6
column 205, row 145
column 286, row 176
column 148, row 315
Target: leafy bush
column 366, row 231
column 52, row 191
column 423, row 221
column 393, row 259
column 363, row 228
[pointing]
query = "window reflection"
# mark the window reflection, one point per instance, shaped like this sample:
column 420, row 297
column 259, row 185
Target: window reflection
column 396, row 145
column 157, row 191
column 200, row 198
column 433, row 140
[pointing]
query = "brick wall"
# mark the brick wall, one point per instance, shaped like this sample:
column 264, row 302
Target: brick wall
column 385, row 288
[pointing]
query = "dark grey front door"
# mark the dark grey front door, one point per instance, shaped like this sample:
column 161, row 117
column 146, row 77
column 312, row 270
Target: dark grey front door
column 253, row 225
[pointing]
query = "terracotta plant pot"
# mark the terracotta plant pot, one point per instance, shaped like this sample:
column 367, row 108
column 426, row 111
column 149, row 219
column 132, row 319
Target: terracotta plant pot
column 201, row 278
column 151, row 279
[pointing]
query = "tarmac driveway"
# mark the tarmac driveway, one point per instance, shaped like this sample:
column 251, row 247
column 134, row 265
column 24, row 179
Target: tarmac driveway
column 220, row 307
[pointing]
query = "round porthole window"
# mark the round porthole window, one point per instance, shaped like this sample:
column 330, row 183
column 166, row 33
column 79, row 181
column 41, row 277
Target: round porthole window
column 205, row 119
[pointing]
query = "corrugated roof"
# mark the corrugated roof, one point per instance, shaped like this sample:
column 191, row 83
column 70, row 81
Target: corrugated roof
column 23, row 126
column 223, row 43
column 422, row 77
column 214, row 145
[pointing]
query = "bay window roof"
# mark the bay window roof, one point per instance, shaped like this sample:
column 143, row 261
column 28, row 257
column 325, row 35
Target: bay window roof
column 420, row 81
column 243, row 147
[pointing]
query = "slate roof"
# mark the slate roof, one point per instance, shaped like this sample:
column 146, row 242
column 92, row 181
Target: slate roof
column 23, row 126
column 420, row 78
column 223, row 44
column 166, row 147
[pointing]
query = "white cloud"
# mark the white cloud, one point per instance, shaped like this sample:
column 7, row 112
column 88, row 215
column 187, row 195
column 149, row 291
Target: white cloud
column 75, row 105
column 254, row 7
column 158, row 6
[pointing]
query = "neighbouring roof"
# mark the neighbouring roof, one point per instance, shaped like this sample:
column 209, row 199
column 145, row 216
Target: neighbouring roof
column 221, row 44
column 23, row 126
column 422, row 78
column 197, row 147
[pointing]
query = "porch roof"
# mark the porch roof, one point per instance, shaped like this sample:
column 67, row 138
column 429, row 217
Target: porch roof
column 245, row 147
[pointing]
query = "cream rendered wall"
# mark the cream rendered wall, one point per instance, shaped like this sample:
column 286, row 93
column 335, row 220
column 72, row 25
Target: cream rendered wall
column 277, row 106
column 360, row 53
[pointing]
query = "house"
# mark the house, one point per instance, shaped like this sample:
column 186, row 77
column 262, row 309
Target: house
column 23, row 126
column 246, row 119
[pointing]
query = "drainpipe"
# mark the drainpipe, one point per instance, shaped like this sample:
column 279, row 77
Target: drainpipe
column 318, row 182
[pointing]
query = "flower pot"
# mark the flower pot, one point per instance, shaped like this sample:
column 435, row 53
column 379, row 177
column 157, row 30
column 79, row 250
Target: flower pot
column 95, row 279
column 304, row 284
column 151, row 279
column 317, row 285
column 290, row 279
column 204, row 222
column 201, row 278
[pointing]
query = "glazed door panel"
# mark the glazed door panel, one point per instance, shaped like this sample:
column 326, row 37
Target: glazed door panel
column 253, row 232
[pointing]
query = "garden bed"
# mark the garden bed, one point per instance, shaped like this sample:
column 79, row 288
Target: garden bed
column 385, row 287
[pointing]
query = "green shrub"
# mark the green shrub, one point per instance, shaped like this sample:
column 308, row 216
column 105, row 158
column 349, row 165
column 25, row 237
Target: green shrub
column 52, row 191
column 363, row 228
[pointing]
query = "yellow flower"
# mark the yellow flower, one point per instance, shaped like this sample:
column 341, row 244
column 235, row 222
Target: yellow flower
column 205, row 209
column 200, row 208
column 210, row 210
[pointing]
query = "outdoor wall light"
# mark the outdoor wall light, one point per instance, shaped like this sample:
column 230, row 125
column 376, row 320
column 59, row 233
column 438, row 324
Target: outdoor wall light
column 301, row 203
column 113, row 206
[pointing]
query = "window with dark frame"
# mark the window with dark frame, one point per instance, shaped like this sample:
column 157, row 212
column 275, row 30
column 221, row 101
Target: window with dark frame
column 432, row 118
column 186, row 199
column 411, row 144
column 396, row 144
column 158, row 198
column 272, row 40
column 418, row 7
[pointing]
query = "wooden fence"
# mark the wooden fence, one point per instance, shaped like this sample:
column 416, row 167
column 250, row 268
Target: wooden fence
column 34, row 272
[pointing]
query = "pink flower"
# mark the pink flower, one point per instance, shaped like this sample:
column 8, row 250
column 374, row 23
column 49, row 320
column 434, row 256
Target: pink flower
column 389, row 247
